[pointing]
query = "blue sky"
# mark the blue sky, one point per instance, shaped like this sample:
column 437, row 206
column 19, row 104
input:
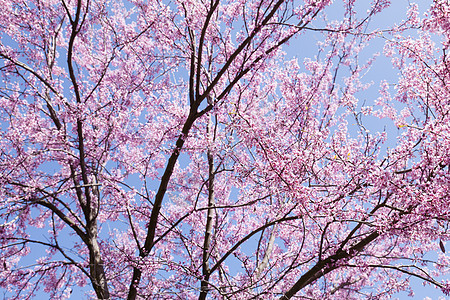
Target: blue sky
column 379, row 71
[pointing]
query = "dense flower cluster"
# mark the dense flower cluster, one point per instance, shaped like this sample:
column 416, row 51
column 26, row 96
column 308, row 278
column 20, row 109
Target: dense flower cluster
column 173, row 150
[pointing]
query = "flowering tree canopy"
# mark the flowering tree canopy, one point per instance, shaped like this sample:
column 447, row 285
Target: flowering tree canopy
column 154, row 149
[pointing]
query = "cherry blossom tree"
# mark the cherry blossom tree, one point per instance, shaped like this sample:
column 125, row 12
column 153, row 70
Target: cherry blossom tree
column 175, row 150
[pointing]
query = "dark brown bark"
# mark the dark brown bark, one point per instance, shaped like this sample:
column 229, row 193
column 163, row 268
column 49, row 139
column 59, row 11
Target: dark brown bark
column 151, row 229
column 204, row 286
column 96, row 268
column 327, row 265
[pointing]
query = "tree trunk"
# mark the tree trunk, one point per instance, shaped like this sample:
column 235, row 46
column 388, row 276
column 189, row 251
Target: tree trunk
column 96, row 268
